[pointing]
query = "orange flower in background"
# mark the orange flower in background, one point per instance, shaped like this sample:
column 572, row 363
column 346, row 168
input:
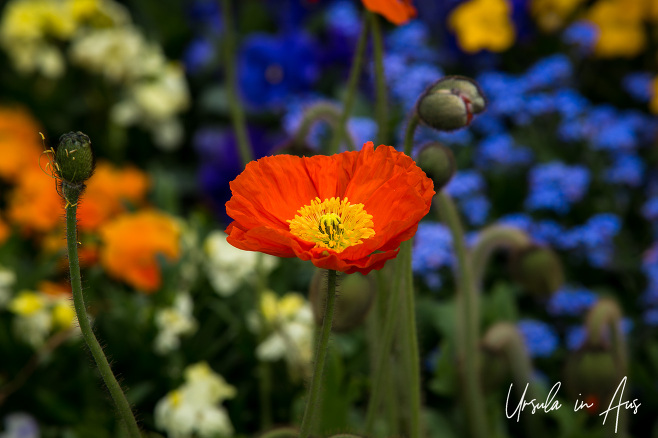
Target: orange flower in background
column 53, row 289
column 33, row 204
column 132, row 243
column 348, row 212
column 107, row 191
column 20, row 143
column 396, row 11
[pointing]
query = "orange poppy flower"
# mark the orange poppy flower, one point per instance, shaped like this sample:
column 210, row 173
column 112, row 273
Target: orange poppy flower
column 132, row 242
column 396, row 11
column 347, row 212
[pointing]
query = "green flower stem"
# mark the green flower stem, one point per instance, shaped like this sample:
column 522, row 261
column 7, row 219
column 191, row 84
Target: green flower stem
column 87, row 333
column 491, row 239
column 379, row 383
column 410, row 344
column 468, row 331
column 328, row 112
column 412, row 124
column 381, row 109
column 237, row 112
column 319, row 359
column 350, row 93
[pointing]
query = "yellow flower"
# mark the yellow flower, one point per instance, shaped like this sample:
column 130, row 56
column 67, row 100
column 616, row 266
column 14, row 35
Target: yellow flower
column 27, row 303
column 280, row 309
column 132, row 243
column 621, row 27
column 483, row 24
column 551, row 15
column 63, row 314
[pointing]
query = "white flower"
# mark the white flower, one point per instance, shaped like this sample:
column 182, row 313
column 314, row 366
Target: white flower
column 194, row 408
column 290, row 325
column 20, row 425
column 229, row 267
column 174, row 322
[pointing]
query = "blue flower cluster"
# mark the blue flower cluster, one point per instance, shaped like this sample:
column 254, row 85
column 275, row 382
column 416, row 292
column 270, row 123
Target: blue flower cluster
column 541, row 340
column 571, row 301
column 577, row 335
column 499, row 152
column 432, row 250
column 467, row 187
column 556, row 186
column 594, row 239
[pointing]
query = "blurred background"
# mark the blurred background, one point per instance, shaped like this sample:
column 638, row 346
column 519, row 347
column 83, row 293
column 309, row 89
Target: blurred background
column 566, row 153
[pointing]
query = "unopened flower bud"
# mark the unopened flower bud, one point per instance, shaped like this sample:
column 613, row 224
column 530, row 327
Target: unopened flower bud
column 592, row 375
column 538, row 270
column 74, row 158
column 353, row 301
column 438, row 162
column 450, row 103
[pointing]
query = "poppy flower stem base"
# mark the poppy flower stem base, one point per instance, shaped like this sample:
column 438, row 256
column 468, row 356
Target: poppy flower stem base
column 319, row 358
column 467, row 322
column 113, row 386
column 350, row 93
column 410, row 343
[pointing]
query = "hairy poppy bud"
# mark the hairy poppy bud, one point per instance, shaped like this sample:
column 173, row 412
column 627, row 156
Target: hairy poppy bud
column 450, row 103
column 75, row 161
column 438, row 162
column 354, row 299
column 538, row 270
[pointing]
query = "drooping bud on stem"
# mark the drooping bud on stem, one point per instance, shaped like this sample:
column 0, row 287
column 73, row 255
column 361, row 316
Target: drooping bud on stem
column 538, row 270
column 74, row 164
column 450, row 103
column 438, row 162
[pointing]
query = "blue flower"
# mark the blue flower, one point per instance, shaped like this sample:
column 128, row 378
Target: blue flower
column 627, row 169
column 570, row 103
column 219, row 162
column 343, row 17
column 465, row 183
column 583, row 34
column 412, row 42
column 408, row 81
column 650, row 317
column 476, row 209
column 594, row 239
column 198, row 55
column 576, row 337
column 432, row 250
column 540, row 338
column 650, row 209
column 571, row 301
column 639, row 85
column 556, row 186
column 550, row 72
column 274, row 68
column 362, row 130
column 500, row 151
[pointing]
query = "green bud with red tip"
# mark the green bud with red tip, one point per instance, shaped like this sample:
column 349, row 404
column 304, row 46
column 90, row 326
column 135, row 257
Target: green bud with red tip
column 450, row 103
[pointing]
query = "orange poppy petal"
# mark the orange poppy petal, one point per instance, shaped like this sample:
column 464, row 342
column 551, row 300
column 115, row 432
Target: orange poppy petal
column 271, row 191
column 396, row 11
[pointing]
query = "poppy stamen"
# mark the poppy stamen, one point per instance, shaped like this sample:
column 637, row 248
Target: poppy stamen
column 333, row 223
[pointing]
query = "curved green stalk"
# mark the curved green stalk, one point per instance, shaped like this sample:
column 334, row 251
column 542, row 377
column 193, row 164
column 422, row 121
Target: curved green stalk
column 468, row 327
column 412, row 124
column 237, row 112
column 381, row 109
column 313, row 399
column 117, row 394
column 350, row 93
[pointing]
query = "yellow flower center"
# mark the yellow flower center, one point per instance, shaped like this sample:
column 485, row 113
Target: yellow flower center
column 333, row 223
